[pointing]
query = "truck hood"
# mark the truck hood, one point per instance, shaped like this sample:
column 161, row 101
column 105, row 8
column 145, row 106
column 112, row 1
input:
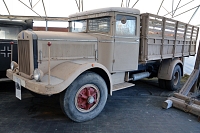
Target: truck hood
column 67, row 36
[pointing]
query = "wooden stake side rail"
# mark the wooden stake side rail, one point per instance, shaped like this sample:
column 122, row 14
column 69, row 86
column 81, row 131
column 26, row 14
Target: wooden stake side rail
column 163, row 38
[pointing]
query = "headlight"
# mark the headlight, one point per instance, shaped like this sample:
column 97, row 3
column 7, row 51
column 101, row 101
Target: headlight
column 13, row 65
column 37, row 74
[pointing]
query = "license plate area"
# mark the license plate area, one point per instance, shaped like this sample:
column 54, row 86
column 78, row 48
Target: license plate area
column 18, row 92
column 18, row 85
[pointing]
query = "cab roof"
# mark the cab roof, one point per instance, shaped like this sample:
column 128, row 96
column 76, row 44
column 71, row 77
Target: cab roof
column 104, row 10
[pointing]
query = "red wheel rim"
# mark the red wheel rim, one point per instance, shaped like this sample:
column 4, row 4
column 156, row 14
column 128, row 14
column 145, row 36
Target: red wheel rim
column 87, row 98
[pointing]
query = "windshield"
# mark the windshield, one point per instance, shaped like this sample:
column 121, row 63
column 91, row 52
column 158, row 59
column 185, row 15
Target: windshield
column 101, row 25
column 78, row 26
column 95, row 25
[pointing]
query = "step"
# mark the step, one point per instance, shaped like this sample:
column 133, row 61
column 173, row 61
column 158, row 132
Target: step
column 120, row 86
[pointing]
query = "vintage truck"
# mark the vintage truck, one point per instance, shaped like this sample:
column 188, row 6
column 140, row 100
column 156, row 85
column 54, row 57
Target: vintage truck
column 8, row 33
column 105, row 50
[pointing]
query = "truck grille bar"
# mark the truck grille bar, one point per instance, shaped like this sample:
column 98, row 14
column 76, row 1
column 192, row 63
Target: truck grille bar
column 24, row 56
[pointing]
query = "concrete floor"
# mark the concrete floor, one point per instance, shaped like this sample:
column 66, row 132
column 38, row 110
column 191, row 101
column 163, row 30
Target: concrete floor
column 132, row 110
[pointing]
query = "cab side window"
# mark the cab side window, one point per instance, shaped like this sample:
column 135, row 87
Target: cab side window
column 126, row 25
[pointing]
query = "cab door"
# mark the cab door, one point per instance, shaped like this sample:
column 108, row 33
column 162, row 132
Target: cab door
column 126, row 44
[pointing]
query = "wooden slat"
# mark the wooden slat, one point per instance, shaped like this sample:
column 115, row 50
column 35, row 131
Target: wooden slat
column 169, row 24
column 169, row 27
column 174, row 50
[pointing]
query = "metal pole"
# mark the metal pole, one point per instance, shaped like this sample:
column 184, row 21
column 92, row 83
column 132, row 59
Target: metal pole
column 122, row 3
column 172, row 7
column 186, row 11
column 135, row 3
column 44, row 8
column 166, row 10
column 82, row 5
column 49, row 44
column 128, row 3
column 6, row 7
column 30, row 1
column 180, row 7
column 177, row 7
column 79, row 5
column 160, row 6
column 30, row 8
column 36, row 4
column 193, row 14
column 46, row 26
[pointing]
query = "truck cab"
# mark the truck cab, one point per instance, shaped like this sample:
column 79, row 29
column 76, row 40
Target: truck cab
column 117, row 31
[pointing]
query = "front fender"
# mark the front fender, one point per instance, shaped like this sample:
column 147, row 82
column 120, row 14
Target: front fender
column 69, row 71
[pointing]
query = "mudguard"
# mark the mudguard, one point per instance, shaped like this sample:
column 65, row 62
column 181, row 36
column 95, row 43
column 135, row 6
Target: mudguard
column 69, row 71
column 167, row 67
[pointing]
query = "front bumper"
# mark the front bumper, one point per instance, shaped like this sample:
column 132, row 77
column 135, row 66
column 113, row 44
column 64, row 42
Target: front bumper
column 38, row 87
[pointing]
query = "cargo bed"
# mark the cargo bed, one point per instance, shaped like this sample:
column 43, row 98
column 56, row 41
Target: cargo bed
column 163, row 38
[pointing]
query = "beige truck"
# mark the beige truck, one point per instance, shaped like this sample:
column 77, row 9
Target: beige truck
column 106, row 50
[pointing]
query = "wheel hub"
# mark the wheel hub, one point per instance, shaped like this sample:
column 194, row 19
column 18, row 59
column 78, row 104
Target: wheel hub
column 87, row 98
column 90, row 99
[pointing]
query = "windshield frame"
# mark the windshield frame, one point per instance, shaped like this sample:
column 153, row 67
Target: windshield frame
column 87, row 25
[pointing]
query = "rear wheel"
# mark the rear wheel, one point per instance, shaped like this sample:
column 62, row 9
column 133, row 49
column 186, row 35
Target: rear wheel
column 161, row 83
column 85, row 98
column 174, row 83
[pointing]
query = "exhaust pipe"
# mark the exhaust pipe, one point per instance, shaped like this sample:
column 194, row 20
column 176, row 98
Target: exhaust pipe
column 140, row 76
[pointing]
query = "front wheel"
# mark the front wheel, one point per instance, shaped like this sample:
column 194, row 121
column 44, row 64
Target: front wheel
column 85, row 98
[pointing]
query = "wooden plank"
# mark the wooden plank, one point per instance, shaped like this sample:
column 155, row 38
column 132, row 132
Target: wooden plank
column 169, row 34
column 155, row 21
column 190, row 82
column 185, row 98
column 170, row 24
column 163, row 36
column 180, row 104
column 154, row 15
column 183, row 49
column 174, row 50
column 155, row 25
column 181, row 30
column 170, row 20
column 197, row 62
column 191, row 40
column 169, row 27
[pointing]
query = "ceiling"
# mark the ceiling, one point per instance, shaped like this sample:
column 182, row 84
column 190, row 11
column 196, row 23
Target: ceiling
column 51, row 10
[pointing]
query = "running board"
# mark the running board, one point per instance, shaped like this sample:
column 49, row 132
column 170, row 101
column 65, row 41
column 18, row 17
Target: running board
column 121, row 86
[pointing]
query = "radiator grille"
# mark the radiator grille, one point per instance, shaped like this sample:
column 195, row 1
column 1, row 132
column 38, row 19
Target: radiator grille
column 24, row 56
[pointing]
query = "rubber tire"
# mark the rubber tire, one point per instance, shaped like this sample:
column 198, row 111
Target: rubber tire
column 170, row 83
column 161, row 83
column 67, row 98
